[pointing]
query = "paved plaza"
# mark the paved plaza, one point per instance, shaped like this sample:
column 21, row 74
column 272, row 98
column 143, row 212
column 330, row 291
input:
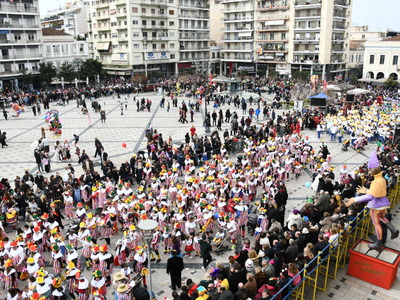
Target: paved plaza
column 129, row 128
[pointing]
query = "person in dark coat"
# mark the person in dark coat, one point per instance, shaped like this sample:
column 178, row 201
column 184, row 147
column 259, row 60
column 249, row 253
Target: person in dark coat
column 174, row 269
column 205, row 249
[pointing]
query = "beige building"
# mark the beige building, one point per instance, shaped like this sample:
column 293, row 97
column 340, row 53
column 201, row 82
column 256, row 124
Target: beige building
column 285, row 36
column 381, row 60
column 142, row 36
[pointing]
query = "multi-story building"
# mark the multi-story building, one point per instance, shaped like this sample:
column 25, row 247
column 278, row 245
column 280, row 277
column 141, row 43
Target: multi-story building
column 142, row 36
column 194, row 35
column 320, row 41
column 60, row 47
column 286, row 35
column 71, row 18
column 20, row 40
column 381, row 60
column 238, row 40
column 273, row 31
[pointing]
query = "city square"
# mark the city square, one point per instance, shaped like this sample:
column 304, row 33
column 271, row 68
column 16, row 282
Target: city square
column 199, row 150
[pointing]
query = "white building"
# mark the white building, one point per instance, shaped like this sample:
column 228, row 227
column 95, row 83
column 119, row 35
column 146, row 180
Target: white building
column 60, row 47
column 20, row 40
column 381, row 60
column 71, row 18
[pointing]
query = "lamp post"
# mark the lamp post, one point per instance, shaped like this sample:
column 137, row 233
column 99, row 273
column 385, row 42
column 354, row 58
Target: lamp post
column 148, row 227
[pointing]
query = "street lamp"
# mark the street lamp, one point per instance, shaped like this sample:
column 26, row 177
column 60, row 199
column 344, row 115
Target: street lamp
column 148, row 227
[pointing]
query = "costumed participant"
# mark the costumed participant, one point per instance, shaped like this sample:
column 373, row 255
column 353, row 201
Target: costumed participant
column 122, row 292
column 155, row 245
column 43, row 288
column 377, row 202
column 17, row 254
column 10, row 275
column 11, row 218
column 140, row 263
column 106, row 262
column 83, row 286
column 71, row 277
column 98, row 284
column 58, row 289
column 57, row 258
column 32, row 266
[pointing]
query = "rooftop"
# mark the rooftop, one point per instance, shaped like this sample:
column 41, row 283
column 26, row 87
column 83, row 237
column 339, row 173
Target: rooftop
column 393, row 39
column 52, row 31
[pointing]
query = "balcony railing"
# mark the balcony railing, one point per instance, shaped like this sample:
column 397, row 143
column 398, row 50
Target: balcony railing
column 18, row 41
column 17, row 8
column 20, row 56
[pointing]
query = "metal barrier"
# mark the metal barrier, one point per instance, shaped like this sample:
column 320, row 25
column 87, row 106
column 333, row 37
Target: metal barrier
column 327, row 267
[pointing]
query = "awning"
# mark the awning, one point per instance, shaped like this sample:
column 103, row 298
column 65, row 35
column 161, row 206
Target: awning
column 119, row 73
column 339, row 70
column 103, row 46
column 274, row 22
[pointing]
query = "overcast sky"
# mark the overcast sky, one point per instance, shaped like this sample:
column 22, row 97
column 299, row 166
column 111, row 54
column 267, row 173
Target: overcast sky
column 379, row 15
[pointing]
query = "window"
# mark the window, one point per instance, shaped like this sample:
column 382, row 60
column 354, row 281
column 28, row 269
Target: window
column 172, row 56
column 162, row 46
column 144, row 22
column 135, row 46
column 135, row 22
column 154, row 34
column 172, row 46
column 382, row 59
column 171, row 12
column 395, row 59
column 153, row 23
column 153, row 11
column 154, row 46
column 115, row 46
column 371, row 59
column 135, row 9
column 135, row 34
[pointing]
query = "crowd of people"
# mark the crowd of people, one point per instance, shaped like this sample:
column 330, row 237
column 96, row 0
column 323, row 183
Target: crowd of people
column 201, row 196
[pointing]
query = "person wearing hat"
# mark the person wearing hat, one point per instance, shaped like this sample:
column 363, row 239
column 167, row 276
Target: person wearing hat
column 71, row 277
column 122, row 292
column 378, row 203
column 58, row 292
column 155, row 245
column 32, row 266
column 106, row 263
column 83, row 286
column 118, row 278
column 98, row 283
column 10, row 275
column 140, row 262
column 175, row 267
column 81, row 211
column 42, row 287
column 57, row 258
column 72, row 254
column 87, row 249
column 202, row 293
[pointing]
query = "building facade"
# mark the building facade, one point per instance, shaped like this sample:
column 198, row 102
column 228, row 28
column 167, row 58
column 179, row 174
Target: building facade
column 381, row 60
column 71, row 18
column 20, row 40
column 285, row 36
column 143, row 36
column 60, row 47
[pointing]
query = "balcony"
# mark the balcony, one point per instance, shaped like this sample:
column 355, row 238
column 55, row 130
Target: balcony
column 237, row 40
column 194, row 37
column 197, row 5
column 306, row 40
column 159, row 3
column 18, row 25
column 183, row 49
column 273, row 29
column 310, row 51
column 193, row 28
column 307, row 28
column 154, row 15
column 21, row 56
column 19, row 41
column 158, row 38
column 16, row 8
column 237, row 10
column 236, row 50
column 272, row 8
column 194, row 16
column 102, row 4
column 307, row 4
column 306, row 62
column 342, row 3
column 238, row 29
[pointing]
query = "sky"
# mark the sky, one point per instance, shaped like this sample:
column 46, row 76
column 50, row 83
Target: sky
column 379, row 15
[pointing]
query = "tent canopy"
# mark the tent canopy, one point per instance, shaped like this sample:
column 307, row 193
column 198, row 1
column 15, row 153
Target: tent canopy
column 357, row 92
column 319, row 96
column 224, row 79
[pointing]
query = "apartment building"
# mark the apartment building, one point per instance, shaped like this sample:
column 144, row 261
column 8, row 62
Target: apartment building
column 286, row 35
column 194, row 36
column 238, row 36
column 142, row 36
column 273, row 29
column 60, row 47
column 70, row 18
column 20, row 40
